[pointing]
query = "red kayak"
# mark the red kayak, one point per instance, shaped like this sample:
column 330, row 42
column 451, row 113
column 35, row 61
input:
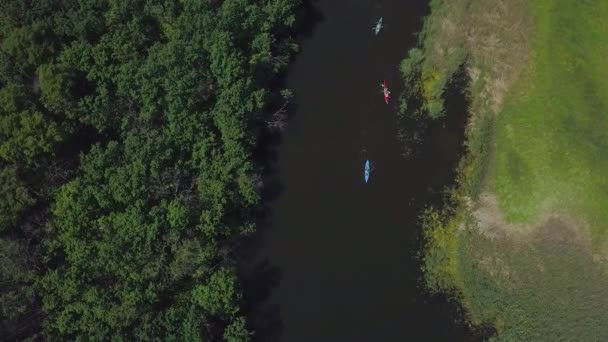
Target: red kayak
column 386, row 92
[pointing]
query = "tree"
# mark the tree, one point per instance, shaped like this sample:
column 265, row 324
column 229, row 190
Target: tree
column 26, row 135
column 56, row 83
column 14, row 198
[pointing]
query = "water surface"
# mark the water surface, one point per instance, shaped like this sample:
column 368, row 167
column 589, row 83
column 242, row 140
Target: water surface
column 337, row 260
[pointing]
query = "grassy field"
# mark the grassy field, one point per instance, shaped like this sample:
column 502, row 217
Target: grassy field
column 546, row 289
column 523, row 246
column 552, row 134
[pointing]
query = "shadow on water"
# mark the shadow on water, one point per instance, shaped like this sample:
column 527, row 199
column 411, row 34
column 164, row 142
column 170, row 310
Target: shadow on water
column 444, row 139
column 440, row 142
column 259, row 277
column 308, row 17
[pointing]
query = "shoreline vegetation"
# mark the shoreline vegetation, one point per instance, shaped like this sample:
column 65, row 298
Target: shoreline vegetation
column 521, row 242
column 126, row 137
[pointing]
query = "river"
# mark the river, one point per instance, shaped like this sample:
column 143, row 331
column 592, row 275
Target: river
column 337, row 257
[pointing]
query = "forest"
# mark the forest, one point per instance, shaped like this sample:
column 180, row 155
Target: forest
column 127, row 130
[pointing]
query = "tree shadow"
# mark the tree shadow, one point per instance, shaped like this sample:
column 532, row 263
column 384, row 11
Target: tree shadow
column 435, row 149
column 263, row 316
column 259, row 277
column 308, row 17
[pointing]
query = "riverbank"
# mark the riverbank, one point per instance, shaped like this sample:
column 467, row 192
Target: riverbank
column 522, row 245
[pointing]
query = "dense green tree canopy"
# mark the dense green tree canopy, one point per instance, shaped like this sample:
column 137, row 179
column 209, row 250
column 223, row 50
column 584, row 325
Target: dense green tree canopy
column 126, row 133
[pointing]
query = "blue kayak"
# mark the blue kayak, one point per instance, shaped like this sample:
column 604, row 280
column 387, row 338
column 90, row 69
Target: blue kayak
column 367, row 171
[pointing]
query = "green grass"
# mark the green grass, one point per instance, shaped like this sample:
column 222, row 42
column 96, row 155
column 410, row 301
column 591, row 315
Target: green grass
column 543, row 151
column 547, row 290
column 552, row 135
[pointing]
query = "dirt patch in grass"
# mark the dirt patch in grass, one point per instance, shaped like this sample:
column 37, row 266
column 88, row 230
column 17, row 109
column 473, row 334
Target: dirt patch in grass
column 490, row 220
column 551, row 228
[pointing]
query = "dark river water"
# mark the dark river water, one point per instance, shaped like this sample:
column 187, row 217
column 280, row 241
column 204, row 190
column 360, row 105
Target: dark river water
column 337, row 257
